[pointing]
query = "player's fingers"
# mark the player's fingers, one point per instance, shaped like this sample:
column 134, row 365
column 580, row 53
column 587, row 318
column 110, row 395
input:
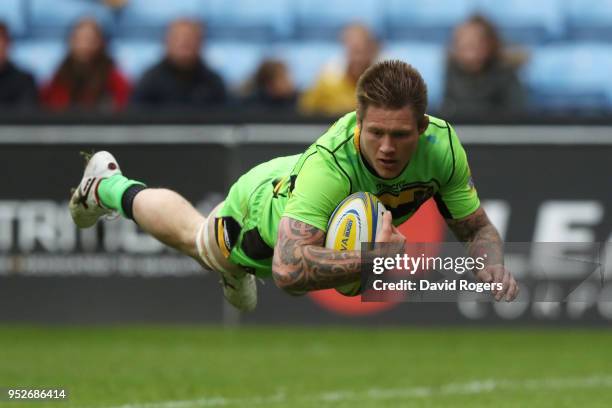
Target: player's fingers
column 388, row 220
column 397, row 233
column 498, row 273
column 485, row 276
column 386, row 231
column 512, row 291
column 399, row 243
column 506, row 280
column 517, row 290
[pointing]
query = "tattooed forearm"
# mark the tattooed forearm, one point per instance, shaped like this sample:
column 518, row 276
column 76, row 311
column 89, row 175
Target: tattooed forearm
column 302, row 264
column 480, row 236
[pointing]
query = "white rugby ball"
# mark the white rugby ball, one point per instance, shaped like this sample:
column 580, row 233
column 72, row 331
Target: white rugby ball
column 357, row 219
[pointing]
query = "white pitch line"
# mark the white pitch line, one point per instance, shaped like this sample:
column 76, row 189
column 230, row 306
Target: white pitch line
column 377, row 394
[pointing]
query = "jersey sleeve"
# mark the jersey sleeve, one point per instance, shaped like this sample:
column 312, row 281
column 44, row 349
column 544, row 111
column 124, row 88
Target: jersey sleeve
column 457, row 198
column 319, row 188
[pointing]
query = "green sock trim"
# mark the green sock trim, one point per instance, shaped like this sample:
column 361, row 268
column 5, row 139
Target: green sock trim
column 110, row 191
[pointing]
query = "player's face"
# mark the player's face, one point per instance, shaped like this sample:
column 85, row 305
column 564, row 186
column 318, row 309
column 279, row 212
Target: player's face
column 389, row 138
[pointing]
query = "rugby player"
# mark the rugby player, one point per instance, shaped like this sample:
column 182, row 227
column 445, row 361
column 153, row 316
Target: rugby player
column 274, row 219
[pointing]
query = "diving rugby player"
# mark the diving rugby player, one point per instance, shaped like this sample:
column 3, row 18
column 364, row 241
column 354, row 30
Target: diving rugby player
column 274, row 219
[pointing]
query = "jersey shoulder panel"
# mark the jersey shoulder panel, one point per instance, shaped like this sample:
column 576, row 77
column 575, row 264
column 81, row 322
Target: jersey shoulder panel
column 436, row 152
column 329, row 147
column 339, row 133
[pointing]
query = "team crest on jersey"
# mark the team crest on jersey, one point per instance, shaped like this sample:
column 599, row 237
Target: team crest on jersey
column 405, row 199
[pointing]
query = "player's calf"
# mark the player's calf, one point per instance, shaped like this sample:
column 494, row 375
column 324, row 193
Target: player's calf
column 168, row 217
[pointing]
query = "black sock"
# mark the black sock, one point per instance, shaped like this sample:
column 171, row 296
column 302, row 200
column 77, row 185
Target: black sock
column 127, row 200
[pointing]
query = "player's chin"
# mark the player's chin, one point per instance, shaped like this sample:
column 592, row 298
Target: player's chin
column 387, row 173
column 388, row 168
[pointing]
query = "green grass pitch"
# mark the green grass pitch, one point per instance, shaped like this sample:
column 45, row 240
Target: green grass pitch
column 189, row 367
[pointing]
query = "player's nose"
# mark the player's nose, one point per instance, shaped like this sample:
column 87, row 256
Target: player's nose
column 387, row 146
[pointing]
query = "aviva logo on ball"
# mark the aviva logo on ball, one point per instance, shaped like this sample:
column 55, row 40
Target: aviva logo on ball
column 347, row 239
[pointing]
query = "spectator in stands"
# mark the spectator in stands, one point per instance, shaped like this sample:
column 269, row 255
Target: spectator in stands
column 17, row 88
column 271, row 87
column 182, row 78
column 87, row 78
column 479, row 78
column 115, row 4
column 334, row 90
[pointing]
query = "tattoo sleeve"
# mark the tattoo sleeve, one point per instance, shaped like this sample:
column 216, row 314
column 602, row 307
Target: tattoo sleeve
column 302, row 264
column 480, row 236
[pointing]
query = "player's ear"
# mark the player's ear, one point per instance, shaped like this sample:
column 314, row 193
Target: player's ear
column 423, row 124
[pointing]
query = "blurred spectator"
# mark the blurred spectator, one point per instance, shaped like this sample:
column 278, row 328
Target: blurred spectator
column 87, row 78
column 181, row 78
column 17, row 88
column 334, row 90
column 115, row 4
column 479, row 78
column 271, row 87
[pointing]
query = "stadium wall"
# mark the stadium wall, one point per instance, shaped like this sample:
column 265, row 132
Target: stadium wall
column 538, row 183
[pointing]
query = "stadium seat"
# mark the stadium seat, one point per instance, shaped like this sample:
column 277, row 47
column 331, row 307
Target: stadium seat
column 589, row 19
column 149, row 18
column 134, row 57
column 569, row 76
column 323, row 19
column 39, row 57
column 234, row 61
column 425, row 20
column 13, row 14
column 306, row 59
column 55, row 18
column 523, row 21
column 429, row 59
column 252, row 20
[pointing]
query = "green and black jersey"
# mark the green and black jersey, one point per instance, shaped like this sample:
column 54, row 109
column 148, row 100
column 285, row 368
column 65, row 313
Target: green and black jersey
column 308, row 187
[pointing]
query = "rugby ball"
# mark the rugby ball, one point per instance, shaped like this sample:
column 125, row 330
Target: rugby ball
column 357, row 219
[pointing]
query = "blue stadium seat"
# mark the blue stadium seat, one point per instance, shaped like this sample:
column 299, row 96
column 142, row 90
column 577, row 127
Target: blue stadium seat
column 589, row 19
column 134, row 57
column 234, row 61
column 150, row 18
column 323, row 19
column 570, row 76
column 429, row 59
column 56, row 17
column 39, row 57
column 425, row 20
column 306, row 59
column 252, row 20
column 13, row 14
column 525, row 21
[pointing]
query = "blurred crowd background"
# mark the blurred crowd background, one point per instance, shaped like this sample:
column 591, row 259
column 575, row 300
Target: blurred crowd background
column 480, row 58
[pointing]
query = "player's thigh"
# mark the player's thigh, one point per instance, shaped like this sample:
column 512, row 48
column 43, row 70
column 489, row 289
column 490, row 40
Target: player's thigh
column 211, row 245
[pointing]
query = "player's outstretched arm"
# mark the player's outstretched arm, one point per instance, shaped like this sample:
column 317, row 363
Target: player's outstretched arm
column 301, row 263
column 483, row 240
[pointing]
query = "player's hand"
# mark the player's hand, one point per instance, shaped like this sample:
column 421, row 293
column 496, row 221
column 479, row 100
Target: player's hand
column 499, row 274
column 390, row 234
